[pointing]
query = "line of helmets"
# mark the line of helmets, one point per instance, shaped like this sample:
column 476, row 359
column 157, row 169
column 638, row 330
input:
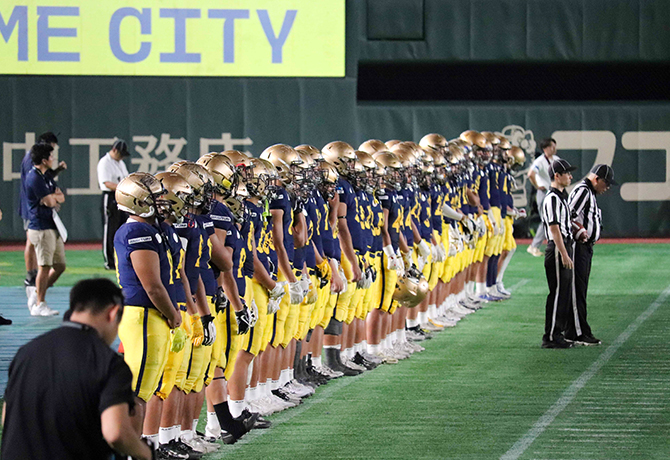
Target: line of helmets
column 376, row 165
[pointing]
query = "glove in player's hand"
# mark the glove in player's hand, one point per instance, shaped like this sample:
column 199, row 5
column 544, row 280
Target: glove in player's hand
column 209, row 329
column 198, row 335
column 179, row 338
column 243, row 319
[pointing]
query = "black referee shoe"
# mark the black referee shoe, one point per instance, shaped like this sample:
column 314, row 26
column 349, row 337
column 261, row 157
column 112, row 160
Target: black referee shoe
column 587, row 340
column 5, row 321
column 561, row 343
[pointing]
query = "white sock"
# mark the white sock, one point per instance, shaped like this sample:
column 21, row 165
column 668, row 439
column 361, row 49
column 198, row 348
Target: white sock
column 503, row 267
column 403, row 335
column 291, row 374
column 187, row 435
column 262, row 389
column 274, row 385
column 175, row 431
column 236, row 408
column 386, row 343
column 164, row 435
column 481, row 288
column 363, row 346
column 423, row 317
column 153, row 438
column 373, row 349
column 195, row 424
column 251, row 394
column 316, row 361
column 412, row 322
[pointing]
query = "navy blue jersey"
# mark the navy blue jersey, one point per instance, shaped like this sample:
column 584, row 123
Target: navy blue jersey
column 389, row 200
column 311, row 223
column 425, row 222
column 282, row 202
column 407, row 205
column 192, row 241
column 483, row 191
column 363, row 216
column 248, row 234
column 136, row 236
column 348, row 196
column 176, row 289
column 318, row 214
column 265, row 249
column 331, row 244
column 494, row 174
column 376, row 225
column 206, row 227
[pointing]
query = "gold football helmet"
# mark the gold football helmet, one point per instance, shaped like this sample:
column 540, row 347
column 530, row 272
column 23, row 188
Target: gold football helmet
column 411, row 289
column 339, row 154
column 433, row 141
column 285, row 159
column 505, row 144
column 519, row 157
column 392, row 167
column 372, row 146
column 138, row 194
column 312, row 151
column 491, row 137
column 405, row 154
column 329, row 177
column 390, row 143
column 260, row 179
column 222, row 171
column 200, row 180
column 179, row 196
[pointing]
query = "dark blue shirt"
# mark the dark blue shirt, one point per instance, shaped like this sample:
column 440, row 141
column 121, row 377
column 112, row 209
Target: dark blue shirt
column 38, row 186
column 134, row 236
column 282, row 202
column 389, row 200
column 191, row 239
column 26, row 166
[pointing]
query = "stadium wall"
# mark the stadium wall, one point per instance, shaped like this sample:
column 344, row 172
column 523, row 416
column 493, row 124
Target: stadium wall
column 170, row 118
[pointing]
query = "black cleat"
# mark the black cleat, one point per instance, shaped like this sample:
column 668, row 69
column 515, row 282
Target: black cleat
column 587, row 340
column 361, row 361
column 262, row 424
column 562, row 343
column 5, row 321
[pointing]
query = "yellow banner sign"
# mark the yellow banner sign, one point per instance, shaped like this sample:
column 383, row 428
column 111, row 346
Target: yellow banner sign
column 237, row 38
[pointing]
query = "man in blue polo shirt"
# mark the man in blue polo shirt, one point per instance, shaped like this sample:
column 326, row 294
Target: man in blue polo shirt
column 26, row 165
column 43, row 196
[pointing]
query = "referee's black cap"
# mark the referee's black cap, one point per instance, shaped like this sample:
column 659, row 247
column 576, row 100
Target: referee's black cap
column 561, row 166
column 604, row 172
column 121, row 147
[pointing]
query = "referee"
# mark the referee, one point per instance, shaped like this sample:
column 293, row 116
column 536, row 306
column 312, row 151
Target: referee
column 111, row 170
column 558, row 266
column 584, row 210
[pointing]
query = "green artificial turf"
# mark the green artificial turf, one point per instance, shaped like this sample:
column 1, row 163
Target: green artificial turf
column 80, row 265
column 481, row 386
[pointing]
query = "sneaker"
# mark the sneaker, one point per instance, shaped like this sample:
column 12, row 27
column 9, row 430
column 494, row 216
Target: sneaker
column 387, row 358
column 535, row 252
column 501, row 289
column 169, row 452
column 288, row 398
column 42, row 309
column 5, row 321
column 247, row 420
column 262, row 424
column 415, row 346
column 587, row 340
column 431, row 327
column 497, row 293
column 488, row 297
column 194, row 448
column 558, row 343
column 414, row 336
column 370, row 357
column 397, row 351
column 361, row 361
column 327, row 371
column 352, row 365
column 31, row 293
column 299, row 389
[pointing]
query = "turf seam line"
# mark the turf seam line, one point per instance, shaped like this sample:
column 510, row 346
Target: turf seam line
column 566, row 398
column 293, row 412
column 519, row 285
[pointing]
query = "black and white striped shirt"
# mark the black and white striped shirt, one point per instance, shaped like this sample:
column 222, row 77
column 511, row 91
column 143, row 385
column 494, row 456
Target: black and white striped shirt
column 555, row 211
column 584, row 209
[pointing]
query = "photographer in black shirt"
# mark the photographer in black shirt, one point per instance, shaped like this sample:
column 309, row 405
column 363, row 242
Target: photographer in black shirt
column 68, row 394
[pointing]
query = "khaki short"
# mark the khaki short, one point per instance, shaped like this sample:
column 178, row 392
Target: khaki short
column 49, row 247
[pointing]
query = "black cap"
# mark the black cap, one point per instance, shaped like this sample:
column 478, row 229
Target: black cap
column 561, row 166
column 605, row 173
column 121, row 147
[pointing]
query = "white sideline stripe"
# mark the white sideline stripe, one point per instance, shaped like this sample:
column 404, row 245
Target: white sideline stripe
column 566, row 398
column 518, row 285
